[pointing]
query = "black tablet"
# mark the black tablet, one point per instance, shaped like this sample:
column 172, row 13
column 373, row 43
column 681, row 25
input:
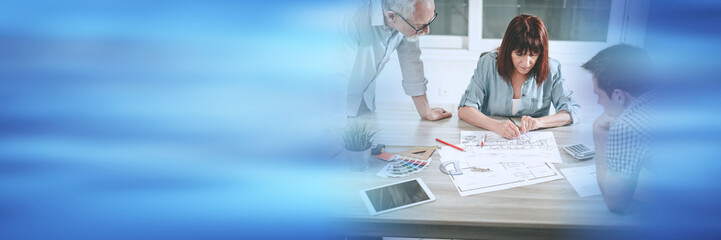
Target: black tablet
column 394, row 196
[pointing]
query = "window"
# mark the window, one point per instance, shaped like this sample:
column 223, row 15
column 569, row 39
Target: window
column 452, row 18
column 479, row 25
column 567, row 20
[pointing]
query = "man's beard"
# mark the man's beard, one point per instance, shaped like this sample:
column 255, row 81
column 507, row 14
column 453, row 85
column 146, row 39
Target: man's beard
column 414, row 38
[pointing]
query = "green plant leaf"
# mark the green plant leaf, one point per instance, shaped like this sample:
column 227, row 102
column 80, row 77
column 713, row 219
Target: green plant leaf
column 357, row 136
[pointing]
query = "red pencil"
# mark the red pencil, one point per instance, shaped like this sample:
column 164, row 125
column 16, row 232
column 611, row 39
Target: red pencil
column 450, row 144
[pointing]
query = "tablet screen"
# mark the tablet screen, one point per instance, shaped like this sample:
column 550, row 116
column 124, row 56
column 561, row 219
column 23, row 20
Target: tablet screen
column 396, row 195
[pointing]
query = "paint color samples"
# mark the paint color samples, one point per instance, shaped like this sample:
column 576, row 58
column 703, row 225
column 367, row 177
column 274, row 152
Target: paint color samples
column 402, row 166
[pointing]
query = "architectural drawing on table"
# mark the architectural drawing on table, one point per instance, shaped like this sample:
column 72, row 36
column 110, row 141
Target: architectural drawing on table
column 495, row 141
column 502, row 175
column 470, row 139
column 541, row 147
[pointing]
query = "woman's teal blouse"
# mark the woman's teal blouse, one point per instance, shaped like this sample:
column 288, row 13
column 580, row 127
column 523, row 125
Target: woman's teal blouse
column 491, row 95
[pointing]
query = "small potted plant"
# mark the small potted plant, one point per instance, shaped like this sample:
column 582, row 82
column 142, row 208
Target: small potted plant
column 357, row 138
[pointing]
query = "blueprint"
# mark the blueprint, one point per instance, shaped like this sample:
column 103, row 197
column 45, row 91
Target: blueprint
column 532, row 147
column 482, row 176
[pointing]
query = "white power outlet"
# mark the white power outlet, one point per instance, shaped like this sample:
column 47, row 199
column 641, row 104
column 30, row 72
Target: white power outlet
column 443, row 92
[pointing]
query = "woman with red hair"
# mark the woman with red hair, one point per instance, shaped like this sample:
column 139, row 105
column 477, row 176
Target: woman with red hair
column 518, row 80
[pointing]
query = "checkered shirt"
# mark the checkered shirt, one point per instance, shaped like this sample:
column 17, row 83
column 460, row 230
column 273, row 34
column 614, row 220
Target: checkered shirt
column 629, row 138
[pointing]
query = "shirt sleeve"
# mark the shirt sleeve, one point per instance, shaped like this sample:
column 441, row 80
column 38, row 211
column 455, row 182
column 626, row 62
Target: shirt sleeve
column 476, row 90
column 626, row 150
column 348, row 69
column 409, row 57
column 353, row 61
column 561, row 97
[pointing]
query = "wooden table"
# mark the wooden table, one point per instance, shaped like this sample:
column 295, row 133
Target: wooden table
column 545, row 210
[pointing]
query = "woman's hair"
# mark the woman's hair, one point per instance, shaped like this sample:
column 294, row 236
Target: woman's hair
column 525, row 33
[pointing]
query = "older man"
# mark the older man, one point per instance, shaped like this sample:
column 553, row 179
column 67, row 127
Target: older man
column 374, row 31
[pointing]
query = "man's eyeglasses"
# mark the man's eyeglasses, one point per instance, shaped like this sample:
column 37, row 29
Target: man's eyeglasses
column 435, row 14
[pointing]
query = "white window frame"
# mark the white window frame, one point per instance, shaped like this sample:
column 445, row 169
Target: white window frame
column 620, row 21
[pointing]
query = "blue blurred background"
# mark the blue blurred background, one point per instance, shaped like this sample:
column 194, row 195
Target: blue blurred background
column 161, row 119
column 197, row 119
column 684, row 37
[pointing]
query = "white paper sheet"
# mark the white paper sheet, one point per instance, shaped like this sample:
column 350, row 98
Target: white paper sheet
column 480, row 176
column 533, row 147
column 583, row 179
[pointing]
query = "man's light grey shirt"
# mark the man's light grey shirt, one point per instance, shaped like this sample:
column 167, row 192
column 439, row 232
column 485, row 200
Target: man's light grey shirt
column 370, row 44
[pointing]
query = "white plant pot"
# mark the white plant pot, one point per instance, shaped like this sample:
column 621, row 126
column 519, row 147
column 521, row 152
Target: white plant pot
column 358, row 160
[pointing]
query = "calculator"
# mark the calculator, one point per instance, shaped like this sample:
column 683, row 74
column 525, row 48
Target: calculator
column 579, row 151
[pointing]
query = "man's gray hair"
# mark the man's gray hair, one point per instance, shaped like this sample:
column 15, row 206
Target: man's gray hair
column 405, row 8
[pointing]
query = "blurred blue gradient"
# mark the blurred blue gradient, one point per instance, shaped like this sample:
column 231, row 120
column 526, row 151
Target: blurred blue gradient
column 162, row 120
column 684, row 38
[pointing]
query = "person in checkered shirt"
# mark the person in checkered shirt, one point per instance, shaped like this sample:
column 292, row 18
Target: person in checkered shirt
column 622, row 133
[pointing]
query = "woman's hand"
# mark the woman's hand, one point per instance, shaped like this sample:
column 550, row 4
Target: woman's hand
column 507, row 129
column 529, row 124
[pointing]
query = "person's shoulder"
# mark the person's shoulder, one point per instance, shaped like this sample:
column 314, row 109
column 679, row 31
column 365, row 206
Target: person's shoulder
column 554, row 65
column 620, row 123
column 490, row 55
column 363, row 11
column 360, row 5
column 639, row 114
column 554, row 69
column 633, row 121
column 621, row 131
column 357, row 12
column 488, row 59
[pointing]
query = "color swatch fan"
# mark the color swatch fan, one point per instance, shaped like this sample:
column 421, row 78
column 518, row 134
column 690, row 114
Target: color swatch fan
column 402, row 166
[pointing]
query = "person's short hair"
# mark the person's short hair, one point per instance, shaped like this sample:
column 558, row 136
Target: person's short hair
column 623, row 67
column 524, row 33
column 405, row 8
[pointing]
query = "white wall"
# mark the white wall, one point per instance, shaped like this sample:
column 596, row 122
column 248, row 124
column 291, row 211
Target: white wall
column 450, row 71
